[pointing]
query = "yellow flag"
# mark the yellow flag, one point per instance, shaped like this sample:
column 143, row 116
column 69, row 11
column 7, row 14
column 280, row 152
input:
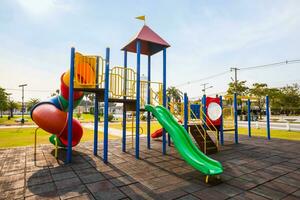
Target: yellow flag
column 143, row 17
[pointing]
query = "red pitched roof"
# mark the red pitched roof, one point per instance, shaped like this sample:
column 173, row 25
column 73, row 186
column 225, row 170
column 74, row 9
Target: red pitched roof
column 151, row 42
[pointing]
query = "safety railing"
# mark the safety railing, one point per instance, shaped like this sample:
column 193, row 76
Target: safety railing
column 198, row 130
column 214, row 130
column 176, row 108
column 228, row 118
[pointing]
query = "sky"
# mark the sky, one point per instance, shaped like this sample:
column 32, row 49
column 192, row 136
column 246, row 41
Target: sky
column 206, row 38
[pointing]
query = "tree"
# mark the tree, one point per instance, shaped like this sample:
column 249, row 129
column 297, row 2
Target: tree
column 3, row 101
column 53, row 94
column 174, row 93
column 11, row 106
column 241, row 89
column 32, row 102
column 290, row 99
column 275, row 96
column 259, row 90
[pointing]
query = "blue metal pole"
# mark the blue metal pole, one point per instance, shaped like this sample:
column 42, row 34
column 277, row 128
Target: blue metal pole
column 169, row 138
column 268, row 117
column 164, row 95
column 204, row 110
column 124, row 107
column 249, row 117
column 70, row 108
column 236, row 139
column 221, row 124
column 137, row 117
column 186, row 111
column 148, row 102
column 106, row 90
column 96, row 110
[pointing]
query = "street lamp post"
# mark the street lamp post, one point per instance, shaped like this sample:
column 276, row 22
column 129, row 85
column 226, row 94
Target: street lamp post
column 23, row 106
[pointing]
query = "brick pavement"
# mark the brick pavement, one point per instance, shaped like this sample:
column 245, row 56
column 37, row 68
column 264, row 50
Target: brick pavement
column 253, row 169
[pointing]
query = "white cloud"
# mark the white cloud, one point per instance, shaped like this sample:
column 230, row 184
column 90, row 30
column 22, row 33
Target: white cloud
column 43, row 7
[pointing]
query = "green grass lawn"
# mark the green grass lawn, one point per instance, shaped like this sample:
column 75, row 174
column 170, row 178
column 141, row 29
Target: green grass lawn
column 280, row 134
column 4, row 120
column 14, row 137
column 143, row 125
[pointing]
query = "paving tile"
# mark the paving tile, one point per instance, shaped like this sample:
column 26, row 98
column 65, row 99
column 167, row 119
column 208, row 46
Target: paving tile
column 227, row 189
column 123, row 180
column 268, row 192
column 105, row 190
column 170, row 192
column 40, row 189
column 242, row 183
column 72, row 182
column 248, row 196
column 12, row 194
column 137, row 191
column 297, row 193
column 91, row 178
column 49, row 196
column 291, row 197
column 63, row 175
column 67, row 193
column 281, row 187
column 289, row 181
column 188, row 197
column 82, row 197
column 210, row 194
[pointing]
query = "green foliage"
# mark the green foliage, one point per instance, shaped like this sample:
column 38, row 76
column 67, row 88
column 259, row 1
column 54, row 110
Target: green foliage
column 78, row 115
column 175, row 94
column 11, row 106
column 53, row 94
column 285, row 100
column 110, row 117
column 259, row 90
column 290, row 98
column 241, row 88
column 3, row 100
column 32, row 102
column 143, row 118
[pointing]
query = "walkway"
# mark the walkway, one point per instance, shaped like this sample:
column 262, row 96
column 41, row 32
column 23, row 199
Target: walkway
column 254, row 169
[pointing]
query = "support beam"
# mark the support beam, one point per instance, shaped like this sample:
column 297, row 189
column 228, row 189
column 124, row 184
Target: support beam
column 236, row 136
column 222, row 123
column 164, row 96
column 249, row 117
column 169, row 138
column 124, row 106
column 204, row 111
column 268, row 117
column 149, row 102
column 138, row 82
column 186, row 111
column 70, row 108
column 96, row 109
column 106, row 90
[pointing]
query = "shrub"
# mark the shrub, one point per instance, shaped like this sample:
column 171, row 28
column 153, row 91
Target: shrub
column 110, row 117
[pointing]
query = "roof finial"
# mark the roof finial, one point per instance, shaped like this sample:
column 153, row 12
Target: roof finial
column 142, row 17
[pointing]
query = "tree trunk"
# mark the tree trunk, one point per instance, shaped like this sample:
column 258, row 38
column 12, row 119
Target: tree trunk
column 11, row 113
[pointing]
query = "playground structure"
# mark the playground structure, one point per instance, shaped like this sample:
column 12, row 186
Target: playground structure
column 89, row 73
column 121, row 84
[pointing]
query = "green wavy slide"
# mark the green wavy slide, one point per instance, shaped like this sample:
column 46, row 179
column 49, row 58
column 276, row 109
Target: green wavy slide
column 184, row 144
